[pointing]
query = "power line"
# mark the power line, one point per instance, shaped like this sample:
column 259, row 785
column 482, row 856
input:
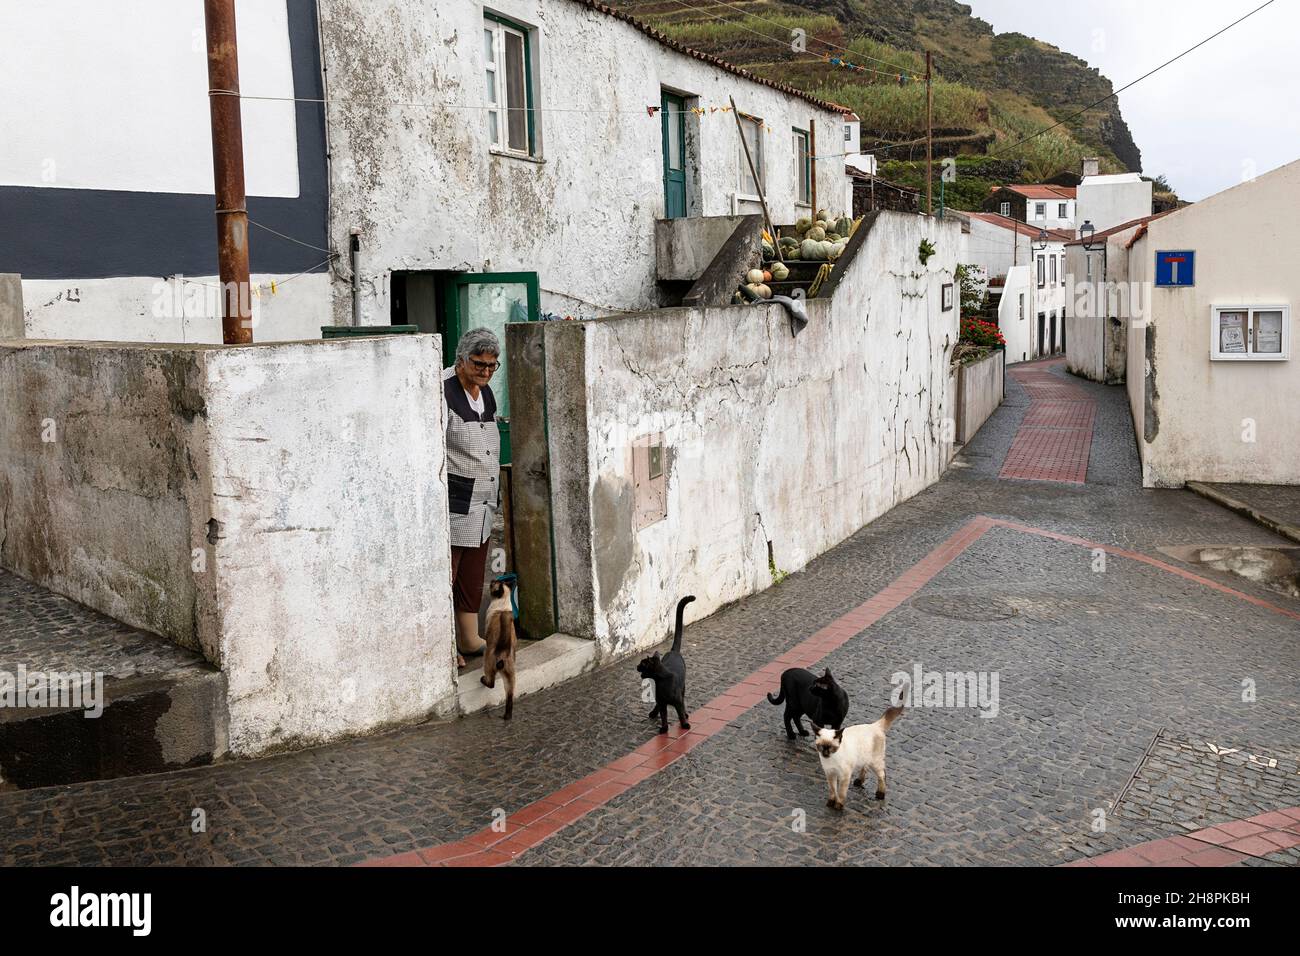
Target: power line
column 835, row 46
column 1062, row 122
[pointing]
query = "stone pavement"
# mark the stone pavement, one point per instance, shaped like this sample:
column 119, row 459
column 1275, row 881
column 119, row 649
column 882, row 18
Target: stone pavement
column 1123, row 715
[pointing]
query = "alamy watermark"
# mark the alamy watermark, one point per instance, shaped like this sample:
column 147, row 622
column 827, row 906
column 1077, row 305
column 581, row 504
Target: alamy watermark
column 922, row 688
column 53, row 690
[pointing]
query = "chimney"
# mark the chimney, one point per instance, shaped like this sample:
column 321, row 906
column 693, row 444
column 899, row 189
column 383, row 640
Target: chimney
column 1091, row 166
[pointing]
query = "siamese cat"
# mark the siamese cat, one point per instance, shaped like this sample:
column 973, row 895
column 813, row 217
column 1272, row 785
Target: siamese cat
column 669, row 675
column 849, row 753
column 499, row 653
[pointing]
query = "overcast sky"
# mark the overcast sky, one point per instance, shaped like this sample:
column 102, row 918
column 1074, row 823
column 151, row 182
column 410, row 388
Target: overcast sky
column 1205, row 122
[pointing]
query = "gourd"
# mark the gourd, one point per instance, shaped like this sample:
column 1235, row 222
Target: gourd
column 817, row 233
column 755, row 290
column 769, row 250
column 823, row 215
column 836, row 250
column 833, row 236
column 764, row 290
column 767, row 276
column 813, row 250
column 754, row 276
column 844, row 225
column 779, row 271
column 802, row 224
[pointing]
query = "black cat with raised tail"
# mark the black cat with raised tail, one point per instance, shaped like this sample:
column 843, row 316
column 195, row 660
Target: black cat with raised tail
column 669, row 675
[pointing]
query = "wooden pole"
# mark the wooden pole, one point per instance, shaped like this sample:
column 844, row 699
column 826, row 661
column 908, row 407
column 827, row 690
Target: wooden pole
column 228, row 172
column 812, row 163
column 929, row 134
column 771, row 230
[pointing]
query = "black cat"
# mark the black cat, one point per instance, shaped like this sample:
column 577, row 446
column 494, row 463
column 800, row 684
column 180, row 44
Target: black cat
column 669, row 675
column 822, row 700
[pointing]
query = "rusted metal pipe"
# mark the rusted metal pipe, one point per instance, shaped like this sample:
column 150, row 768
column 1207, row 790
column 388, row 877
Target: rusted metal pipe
column 228, row 172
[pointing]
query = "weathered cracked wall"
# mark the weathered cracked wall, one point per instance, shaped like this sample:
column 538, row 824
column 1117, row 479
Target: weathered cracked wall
column 280, row 508
column 11, row 306
column 427, row 192
column 1223, row 420
column 794, row 441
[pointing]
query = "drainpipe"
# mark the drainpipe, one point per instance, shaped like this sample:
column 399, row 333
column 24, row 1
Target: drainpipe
column 355, row 232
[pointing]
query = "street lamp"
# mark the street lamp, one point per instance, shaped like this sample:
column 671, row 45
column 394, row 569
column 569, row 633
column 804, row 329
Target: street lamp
column 1041, row 242
column 1086, row 232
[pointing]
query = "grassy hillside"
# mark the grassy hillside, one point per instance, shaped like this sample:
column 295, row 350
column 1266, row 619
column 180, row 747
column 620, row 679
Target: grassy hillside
column 991, row 90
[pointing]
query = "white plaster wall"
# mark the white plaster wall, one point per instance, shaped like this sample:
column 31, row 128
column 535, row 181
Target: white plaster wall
column 991, row 246
column 148, row 309
column 1051, row 297
column 280, row 508
column 1108, row 201
column 797, row 441
column 113, row 95
column 332, row 575
column 1017, row 330
column 1140, row 268
column 428, row 194
column 1202, row 405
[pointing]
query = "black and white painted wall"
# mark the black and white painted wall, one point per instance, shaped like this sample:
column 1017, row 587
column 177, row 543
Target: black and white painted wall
column 106, row 206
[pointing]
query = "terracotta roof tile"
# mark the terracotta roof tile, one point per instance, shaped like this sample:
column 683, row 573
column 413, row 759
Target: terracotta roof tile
column 664, row 39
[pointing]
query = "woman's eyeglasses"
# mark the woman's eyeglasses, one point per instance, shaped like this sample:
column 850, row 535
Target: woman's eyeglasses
column 485, row 366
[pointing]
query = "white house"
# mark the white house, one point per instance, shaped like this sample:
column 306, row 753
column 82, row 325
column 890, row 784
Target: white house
column 1027, row 277
column 1041, row 205
column 536, row 138
column 1100, row 301
column 1213, row 379
column 1108, row 201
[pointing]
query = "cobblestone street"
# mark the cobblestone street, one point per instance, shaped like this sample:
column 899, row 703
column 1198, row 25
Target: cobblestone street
column 1123, row 713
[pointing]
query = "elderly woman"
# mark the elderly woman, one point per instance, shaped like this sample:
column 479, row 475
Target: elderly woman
column 473, row 476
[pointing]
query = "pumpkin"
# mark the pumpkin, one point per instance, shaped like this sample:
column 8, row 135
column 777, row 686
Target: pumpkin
column 816, row 233
column 754, row 276
column 836, row 250
column 844, row 225
column 833, row 236
column 764, row 291
column 812, row 249
column 779, row 271
column 752, row 289
column 767, row 276
column 802, row 224
column 769, row 250
column 823, row 215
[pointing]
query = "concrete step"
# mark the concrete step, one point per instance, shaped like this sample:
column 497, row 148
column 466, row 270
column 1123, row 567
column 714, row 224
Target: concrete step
column 132, row 702
column 538, row 665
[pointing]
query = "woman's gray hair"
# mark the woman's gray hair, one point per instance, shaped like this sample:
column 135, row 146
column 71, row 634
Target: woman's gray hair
column 478, row 342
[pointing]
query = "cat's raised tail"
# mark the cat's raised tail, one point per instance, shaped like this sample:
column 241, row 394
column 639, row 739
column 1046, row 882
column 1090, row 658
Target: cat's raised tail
column 891, row 715
column 681, row 609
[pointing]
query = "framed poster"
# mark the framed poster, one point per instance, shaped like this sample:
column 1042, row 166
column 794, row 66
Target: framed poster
column 1250, row 333
column 946, row 303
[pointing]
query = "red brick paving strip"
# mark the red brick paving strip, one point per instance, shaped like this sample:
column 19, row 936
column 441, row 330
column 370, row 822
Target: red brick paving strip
column 1220, row 845
column 532, row 824
column 1055, row 436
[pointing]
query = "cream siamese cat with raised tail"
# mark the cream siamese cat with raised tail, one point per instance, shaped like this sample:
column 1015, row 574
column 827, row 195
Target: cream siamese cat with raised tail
column 849, row 753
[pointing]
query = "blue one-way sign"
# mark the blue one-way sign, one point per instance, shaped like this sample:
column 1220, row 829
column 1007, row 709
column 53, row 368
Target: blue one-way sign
column 1177, row 267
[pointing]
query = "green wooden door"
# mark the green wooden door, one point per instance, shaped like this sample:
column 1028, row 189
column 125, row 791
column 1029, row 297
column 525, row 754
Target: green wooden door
column 673, row 114
column 489, row 300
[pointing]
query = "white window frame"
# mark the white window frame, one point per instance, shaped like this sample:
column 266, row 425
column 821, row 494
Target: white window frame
column 1040, row 210
column 1042, row 272
column 801, row 169
column 500, row 107
column 1062, row 210
column 1005, row 209
column 1250, row 355
column 742, row 168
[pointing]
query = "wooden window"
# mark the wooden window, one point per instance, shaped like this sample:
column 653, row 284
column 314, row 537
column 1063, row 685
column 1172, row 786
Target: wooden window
column 507, row 67
column 1005, row 209
column 1060, row 211
column 802, row 166
column 752, row 129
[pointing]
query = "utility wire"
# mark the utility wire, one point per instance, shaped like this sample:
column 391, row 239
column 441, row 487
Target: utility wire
column 1062, row 122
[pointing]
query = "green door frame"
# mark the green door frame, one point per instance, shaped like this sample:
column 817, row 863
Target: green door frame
column 455, row 328
column 673, row 108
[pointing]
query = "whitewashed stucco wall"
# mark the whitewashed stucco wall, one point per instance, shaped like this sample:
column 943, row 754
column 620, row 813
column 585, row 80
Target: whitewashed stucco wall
column 1204, row 412
column 422, row 185
column 794, row 441
column 150, row 309
column 280, row 508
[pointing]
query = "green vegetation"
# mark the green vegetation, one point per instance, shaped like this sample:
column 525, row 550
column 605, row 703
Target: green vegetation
column 902, row 108
column 771, row 31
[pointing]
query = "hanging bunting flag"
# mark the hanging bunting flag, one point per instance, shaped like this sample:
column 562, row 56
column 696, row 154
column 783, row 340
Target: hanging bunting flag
column 651, row 110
